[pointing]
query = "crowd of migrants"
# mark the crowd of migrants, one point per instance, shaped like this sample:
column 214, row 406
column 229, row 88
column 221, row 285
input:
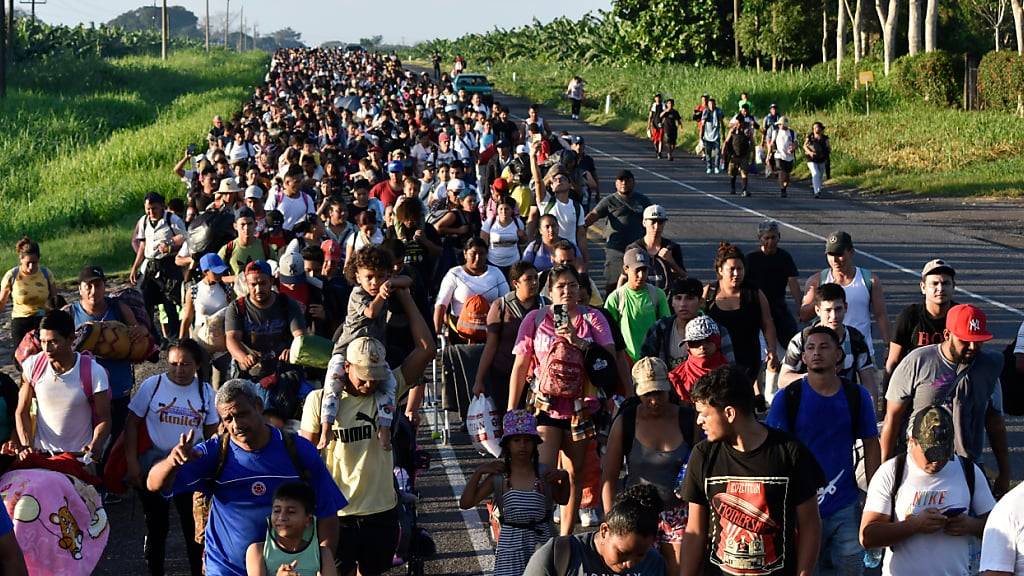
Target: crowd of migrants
column 353, row 215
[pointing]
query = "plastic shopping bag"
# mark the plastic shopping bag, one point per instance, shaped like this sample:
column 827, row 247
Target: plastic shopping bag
column 484, row 425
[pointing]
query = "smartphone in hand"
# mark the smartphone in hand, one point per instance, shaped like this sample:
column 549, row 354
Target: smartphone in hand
column 561, row 314
column 952, row 512
column 191, row 149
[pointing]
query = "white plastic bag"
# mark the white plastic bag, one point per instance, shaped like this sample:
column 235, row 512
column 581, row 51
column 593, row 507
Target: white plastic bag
column 484, row 425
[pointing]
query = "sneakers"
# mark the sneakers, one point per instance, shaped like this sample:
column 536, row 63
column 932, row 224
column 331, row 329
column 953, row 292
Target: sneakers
column 589, row 517
column 556, row 517
column 745, row 194
column 718, row 170
column 817, row 194
column 707, row 171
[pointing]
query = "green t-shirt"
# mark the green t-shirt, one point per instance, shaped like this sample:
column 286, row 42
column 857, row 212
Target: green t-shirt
column 638, row 314
column 242, row 255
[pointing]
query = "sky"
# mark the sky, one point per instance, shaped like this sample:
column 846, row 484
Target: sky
column 322, row 20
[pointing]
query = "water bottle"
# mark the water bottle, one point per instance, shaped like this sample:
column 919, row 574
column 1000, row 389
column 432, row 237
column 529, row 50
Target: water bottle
column 679, row 481
column 873, row 557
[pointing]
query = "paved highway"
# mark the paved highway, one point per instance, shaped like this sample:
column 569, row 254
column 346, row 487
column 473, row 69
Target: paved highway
column 890, row 241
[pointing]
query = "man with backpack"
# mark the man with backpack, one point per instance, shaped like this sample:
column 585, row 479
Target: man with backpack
column 555, row 196
column 71, row 392
column 923, row 323
column 739, row 145
column 855, row 361
column 961, row 376
column 245, row 248
column 290, row 199
column 239, row 470
column 751, row 489
column 927, row 504
column 829, row 414
column 636, row 305
column 625, row 213
column 782, row 147
column 259, row 327
column 864, row 295
column 161, row 235
column 711, row 135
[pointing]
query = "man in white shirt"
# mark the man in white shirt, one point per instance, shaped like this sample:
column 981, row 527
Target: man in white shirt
column 929, row 514
column 1002, row 547
column 291, row 201
column 71, row 391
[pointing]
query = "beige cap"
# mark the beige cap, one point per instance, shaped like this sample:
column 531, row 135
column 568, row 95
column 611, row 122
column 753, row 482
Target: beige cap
column 368, row 357
column 651, row 375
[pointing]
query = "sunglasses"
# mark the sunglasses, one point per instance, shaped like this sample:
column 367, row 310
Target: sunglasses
column 698, row 343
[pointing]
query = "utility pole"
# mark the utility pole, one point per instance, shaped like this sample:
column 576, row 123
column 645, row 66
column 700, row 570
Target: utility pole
column 241, row 29
column 207, row 25
column 227, row 21
column 164, row 30
column 254, row 45
column 33, row 3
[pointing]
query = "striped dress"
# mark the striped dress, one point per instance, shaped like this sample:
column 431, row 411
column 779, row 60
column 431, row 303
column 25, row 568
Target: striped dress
column 516, row 545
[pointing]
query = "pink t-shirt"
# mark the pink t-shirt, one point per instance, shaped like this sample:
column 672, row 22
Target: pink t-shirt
column 535, row 342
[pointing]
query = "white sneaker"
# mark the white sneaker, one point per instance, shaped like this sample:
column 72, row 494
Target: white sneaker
column 556, row 517
column 589, row 517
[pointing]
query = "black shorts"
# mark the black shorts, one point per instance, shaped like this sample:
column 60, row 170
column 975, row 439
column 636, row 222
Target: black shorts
column 368, row 542
column 543, row 419
column 783, row 165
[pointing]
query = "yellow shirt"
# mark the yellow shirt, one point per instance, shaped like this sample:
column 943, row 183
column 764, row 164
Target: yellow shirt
column 362, row 469
column 29, row 293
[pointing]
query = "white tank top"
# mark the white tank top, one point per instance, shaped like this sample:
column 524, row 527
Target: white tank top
column 858, row 305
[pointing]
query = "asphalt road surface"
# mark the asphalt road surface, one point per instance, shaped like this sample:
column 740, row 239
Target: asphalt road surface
column 892, row 239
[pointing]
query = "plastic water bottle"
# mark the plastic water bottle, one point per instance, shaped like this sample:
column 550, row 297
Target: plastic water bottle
column 873, row 557
column 679, row 481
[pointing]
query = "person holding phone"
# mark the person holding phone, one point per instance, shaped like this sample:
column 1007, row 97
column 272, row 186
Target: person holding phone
column 922, row 504
column 550, row 346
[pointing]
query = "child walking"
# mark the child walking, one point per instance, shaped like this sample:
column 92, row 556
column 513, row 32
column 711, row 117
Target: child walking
column 370, row 270
column 524, row 493
column 292, row 546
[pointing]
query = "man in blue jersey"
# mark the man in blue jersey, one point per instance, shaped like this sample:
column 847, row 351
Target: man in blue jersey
column 253, row 461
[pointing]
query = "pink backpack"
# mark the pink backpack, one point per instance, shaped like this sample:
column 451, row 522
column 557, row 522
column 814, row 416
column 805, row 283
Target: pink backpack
column 562, row 374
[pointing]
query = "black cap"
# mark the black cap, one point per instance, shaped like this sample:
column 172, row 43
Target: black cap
column 502, row 143
column 155, row 198
column 624, row 175
column 839, row 242
column 90, row 273
column 688, row 287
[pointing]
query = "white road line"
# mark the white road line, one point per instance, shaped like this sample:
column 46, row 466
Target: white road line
column 482, row 548
column 796, row 228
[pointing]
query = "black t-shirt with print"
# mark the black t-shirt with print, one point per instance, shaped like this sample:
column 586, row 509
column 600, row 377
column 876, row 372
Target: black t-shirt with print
column 751, row 499
column 915, row 327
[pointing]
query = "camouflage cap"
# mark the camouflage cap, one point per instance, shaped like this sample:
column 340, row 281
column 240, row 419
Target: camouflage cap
column 932, row 429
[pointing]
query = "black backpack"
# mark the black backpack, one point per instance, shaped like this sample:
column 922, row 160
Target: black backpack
column 740, row 143
column 210, row 231
column 1012, row 383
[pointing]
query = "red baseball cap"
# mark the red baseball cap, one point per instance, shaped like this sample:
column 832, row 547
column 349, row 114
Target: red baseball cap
column 968, row 323
column 500, row 184
column 331, row 250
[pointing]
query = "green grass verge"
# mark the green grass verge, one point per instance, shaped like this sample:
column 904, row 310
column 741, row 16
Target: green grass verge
column 85, row 140
column 902, row 146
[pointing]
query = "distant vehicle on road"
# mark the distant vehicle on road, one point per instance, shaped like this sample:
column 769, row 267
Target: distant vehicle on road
column 475, row 84
column 354, row 48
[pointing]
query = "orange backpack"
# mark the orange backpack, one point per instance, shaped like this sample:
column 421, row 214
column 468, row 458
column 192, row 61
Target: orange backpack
column 472, row 321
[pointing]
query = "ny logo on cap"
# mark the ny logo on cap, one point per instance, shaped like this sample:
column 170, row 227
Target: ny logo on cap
column 833, row 239
column 974, row 325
